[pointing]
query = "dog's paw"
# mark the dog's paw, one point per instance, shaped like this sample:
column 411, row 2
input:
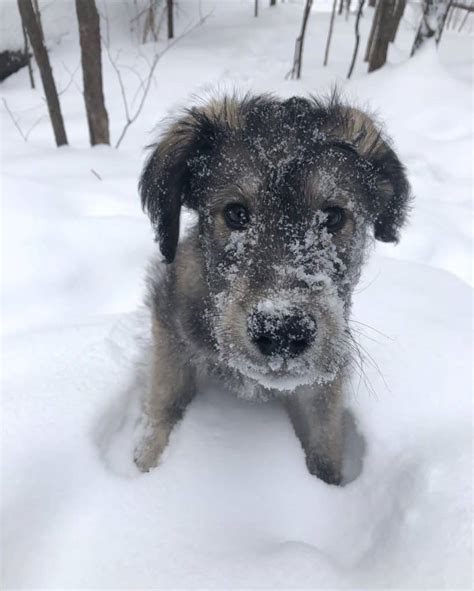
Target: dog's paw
column 148, row 452
column 146, row 459
column 142, row 464
column 324, row 469
column 150, row 441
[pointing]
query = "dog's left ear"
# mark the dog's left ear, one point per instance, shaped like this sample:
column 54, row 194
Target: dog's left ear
column 165, row 184
column 389, row 187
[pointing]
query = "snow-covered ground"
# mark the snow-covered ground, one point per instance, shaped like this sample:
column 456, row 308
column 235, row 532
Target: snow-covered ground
column 232, row 504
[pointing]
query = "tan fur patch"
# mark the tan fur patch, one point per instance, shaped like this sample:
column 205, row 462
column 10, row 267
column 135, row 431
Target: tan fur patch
column 358, row 128
column 228, row 110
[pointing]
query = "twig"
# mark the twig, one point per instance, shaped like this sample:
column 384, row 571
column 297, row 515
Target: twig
column 295, row 71
column 357, row 35
column 141, row 86
column 71, row 79
column 15, row 122
column 139, row 15
column 131, row 118
column 331, row 25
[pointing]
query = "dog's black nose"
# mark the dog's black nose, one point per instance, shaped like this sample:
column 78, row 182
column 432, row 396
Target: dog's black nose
column 287, row 334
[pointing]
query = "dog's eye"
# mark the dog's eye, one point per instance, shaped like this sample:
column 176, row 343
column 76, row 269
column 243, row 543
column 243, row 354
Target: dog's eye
column 236, row 216
column 335, row 218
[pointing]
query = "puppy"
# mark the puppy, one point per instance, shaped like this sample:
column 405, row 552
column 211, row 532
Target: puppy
column 288, row 195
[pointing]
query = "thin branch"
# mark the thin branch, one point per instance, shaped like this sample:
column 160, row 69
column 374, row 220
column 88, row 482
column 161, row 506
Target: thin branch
column 71, row 79
column 120, row 80
column 331, row 25
column 131, row 118
column 357, row 35
column 139, row 15
column 295, row 71
column 27, row 134
column 141, row 85
column 16, row 123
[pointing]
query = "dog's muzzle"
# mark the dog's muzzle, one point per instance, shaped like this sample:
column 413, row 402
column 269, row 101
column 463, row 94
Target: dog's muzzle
column 287, row 334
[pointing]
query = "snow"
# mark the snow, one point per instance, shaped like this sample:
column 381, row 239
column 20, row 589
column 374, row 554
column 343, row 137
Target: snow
column 232, row 504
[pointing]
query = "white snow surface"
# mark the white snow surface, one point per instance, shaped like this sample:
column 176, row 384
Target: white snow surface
column 231, row 504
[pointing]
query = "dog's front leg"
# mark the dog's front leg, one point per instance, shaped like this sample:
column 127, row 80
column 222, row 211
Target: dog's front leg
column 317, row 416
column 171, row 389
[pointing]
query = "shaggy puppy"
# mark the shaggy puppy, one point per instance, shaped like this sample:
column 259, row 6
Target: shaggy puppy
column 288, row 193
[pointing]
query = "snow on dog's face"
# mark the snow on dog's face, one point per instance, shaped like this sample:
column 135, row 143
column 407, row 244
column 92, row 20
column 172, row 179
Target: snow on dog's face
column 283, row 239
column 286, row 192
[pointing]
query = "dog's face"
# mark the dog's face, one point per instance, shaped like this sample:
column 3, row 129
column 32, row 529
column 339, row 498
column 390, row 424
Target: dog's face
column 287, row 194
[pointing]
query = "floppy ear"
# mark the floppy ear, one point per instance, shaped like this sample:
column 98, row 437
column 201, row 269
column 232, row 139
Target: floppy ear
column 389, row 188
column 165, row 183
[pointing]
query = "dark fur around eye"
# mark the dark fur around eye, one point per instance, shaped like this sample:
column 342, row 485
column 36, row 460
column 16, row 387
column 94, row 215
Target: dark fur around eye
column 236, row 216
column 335, row 218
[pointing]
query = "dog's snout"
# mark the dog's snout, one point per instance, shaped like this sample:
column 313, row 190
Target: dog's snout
column 288, row 335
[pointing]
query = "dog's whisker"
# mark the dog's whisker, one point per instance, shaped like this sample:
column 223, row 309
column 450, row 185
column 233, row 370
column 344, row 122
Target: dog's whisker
column 364, row 335
column 352, row 321
column 365, row 354
column 361, row 357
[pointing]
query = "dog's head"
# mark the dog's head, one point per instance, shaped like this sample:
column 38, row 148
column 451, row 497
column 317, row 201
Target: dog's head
column 287, row 194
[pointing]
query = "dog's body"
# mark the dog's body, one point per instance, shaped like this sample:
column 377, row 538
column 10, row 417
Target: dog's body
column 259, row 293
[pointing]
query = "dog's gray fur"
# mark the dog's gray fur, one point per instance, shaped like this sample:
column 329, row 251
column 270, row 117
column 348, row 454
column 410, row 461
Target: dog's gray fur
column 286, row 161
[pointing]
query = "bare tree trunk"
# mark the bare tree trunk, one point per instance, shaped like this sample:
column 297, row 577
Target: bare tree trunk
column 372, row 3
column 468, row 11
column 450, row 16
column 442, row 21
column 357, row 36
column 382, row 36
column 27, row 53
column 426, row 30
column 331, row 25
column 38, row 17
column 298, row 59
column 255, row 10
column 91, row 59
column 397, row 17
column 455, row 10
column 433, row 20
column 457, row 15
column 30, row 22
column 169, row 10
column 150, row 24
column 273, row 2
column 373, row 29
column 341, row 7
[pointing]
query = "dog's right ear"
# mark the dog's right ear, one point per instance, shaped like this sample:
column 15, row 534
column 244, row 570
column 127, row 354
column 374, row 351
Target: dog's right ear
column 165, row 183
